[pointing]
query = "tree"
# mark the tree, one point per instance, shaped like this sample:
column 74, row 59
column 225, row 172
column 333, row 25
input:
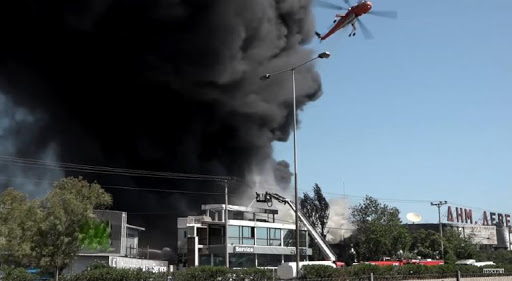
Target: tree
column 457, row 246
column 19, row 218
column 425, row 243
column 67, row 208
column 316, row 209
column 379, row 230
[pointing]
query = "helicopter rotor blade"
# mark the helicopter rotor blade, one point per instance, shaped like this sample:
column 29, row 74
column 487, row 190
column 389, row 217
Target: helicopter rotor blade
column 347, row 2
column 384, row 14
column 367, row 34
column 329, row 5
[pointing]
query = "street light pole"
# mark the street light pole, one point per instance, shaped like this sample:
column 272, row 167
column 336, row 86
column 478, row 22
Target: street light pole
column 323, row 55
column 438, row 205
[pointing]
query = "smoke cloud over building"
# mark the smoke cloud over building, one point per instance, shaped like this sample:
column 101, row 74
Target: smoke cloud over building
column 168, row 85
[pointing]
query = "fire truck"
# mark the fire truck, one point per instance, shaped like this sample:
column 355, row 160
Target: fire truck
column 388, row 261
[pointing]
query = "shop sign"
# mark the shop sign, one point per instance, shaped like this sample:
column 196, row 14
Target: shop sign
column 243, row 249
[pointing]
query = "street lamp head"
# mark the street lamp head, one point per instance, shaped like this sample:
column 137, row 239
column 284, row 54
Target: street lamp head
column 324, row 55
column 265, row 77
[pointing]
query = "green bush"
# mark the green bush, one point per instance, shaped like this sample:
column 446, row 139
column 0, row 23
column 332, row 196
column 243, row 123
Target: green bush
column 115, row 274
column 319, row 271
column 253, row 274
column 201, row 273
column 16, row 274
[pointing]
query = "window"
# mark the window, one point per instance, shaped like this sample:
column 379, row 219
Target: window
column 302, row 238
column 291, row 258
column 289, row 238
column 242, row 260
column 205, row 260
column 219, row 260
column 247, row 235
column 268, row 236
column 262, row 236
column 216, row 234
column 265, row 260
column 234, row 234
column 202, row 236
column 274, row 237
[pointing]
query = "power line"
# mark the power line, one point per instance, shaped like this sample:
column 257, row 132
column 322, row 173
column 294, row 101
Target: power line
column 108, row 170
column 132, row 188
column 422, row 201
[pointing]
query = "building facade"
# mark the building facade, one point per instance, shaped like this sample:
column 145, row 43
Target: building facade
column 254, row 237
column 490, row 237
column 124, row 250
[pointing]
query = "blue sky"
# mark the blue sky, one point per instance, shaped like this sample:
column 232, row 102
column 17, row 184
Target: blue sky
column 422, row 112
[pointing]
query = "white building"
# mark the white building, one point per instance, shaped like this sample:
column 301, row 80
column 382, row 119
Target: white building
column 124, row 251
column 254, row 238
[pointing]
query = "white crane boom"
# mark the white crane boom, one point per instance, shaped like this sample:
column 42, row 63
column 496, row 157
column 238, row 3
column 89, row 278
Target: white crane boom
column 324, row 246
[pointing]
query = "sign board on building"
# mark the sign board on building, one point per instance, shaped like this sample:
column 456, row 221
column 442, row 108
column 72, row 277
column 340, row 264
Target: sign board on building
column 243, row 249
column 463, row 215
column 146, row 265
column 480, row 234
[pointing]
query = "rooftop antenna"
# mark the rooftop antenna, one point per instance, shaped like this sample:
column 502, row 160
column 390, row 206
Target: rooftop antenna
column 413, row 217
column 344, row 195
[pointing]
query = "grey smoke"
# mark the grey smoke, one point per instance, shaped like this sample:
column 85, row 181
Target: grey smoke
column 339, row 226
column 164, row 85
column 17, row 128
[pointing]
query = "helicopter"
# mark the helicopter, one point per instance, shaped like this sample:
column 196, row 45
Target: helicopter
column 351, row 17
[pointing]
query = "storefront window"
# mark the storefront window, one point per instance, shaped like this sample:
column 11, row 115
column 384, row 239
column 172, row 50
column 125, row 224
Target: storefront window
column 205, row 260
column 247, row 235
column 265, row 260
column 234, row 234
column 242, row 260
column 262, row 236
column 219, row 260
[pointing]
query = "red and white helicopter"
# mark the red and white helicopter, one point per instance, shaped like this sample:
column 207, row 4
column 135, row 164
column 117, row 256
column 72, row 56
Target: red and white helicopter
column 351, row 17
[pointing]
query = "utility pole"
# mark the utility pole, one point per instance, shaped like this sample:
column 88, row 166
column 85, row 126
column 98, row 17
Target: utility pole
column 226, row 221
column 438, row 205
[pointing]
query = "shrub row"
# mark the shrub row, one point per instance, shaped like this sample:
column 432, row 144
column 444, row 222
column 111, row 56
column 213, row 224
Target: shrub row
column 16, row 274
column 308, row 272
column 115, row 274
column 326, row 272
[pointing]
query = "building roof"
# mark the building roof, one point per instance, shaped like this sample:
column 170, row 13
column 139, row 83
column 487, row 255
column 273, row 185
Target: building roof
column 135, row 227
column 215, row 207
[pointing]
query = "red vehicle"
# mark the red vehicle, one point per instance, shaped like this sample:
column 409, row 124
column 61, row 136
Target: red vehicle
column 427, row 262
column 351, row 16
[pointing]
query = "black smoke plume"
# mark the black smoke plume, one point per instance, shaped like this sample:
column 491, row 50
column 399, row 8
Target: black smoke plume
column 165, row 85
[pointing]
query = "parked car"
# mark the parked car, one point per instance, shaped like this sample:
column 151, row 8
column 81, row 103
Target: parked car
column 474, row 262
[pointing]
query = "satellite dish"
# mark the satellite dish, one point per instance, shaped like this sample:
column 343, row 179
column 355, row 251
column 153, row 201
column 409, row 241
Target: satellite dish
column 414, row 217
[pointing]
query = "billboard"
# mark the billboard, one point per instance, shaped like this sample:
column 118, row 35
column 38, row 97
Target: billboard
column 466, row 216
column 146, row 265
column 480, row 234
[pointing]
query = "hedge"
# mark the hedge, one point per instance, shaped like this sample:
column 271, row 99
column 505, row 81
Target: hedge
column 16, row 274
column 115, row 274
